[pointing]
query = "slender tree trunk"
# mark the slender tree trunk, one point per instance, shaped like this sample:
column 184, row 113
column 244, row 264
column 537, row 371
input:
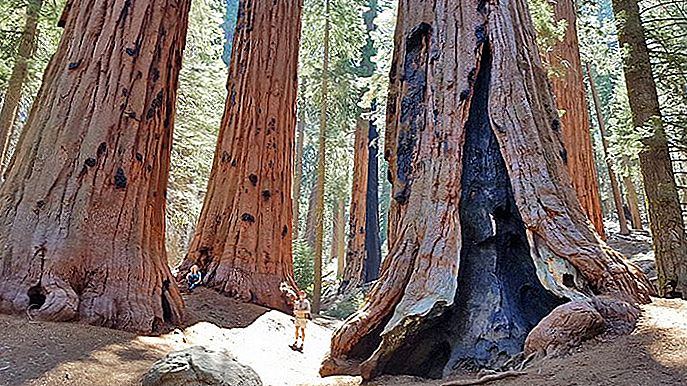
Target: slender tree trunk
column 310, row 223
column 83, row 204
column 333, row 247
column 615, row 188
column 491, row 236
column 27, row 46
column 632, row 200
column 354, row 271
column 298, row 174
column 319, row 204
column 665, row 219
column 569, row 92
column 243, row 239
column 340, row 238
column 373, row 245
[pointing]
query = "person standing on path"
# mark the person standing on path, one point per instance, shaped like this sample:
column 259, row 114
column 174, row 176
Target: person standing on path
column 301, row 310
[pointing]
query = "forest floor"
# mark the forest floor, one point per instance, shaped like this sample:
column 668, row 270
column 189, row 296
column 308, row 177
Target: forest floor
column 63, row 354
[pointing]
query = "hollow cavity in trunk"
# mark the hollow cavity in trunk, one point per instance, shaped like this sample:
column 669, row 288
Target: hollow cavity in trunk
column 499, row 297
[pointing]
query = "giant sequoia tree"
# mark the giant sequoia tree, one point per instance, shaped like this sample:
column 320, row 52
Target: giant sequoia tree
column 568, row 89
column 490, row 236
column 243, row 239
column 82, row 209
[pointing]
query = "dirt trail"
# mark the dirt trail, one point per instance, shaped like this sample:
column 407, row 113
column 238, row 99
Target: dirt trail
column 40, row 353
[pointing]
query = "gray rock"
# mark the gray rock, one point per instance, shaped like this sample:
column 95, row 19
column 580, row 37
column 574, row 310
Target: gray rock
column 200, row 366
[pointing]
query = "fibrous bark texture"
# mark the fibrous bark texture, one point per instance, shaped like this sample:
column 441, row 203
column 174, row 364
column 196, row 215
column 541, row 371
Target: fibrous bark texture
column 243, row 238
column 82, row 229
column 569, row 93
column 490, row 234
column 27, row 45
column 665, row 218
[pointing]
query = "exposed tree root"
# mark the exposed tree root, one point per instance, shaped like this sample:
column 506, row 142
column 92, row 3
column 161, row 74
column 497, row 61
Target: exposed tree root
column 486, row 378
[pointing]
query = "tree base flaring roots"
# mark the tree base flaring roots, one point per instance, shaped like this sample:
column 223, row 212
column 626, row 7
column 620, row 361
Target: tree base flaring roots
column 137, row 311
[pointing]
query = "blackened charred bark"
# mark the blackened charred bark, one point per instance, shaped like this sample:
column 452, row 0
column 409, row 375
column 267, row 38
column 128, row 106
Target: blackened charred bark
column 373, row 251
column 499, row 298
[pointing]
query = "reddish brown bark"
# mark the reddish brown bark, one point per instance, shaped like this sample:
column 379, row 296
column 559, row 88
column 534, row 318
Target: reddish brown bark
column 665, row 216
column 84, row 200
column 479, row 183
column 615, row 188
column 355, row 252
column 27, row 45
column 569, row 93
column 243, row 238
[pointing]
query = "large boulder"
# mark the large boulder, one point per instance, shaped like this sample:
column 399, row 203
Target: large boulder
column 200, row 366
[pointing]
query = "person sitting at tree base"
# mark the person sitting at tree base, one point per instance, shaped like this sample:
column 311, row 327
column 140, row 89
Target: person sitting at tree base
column 301, row 310
column 193, row 278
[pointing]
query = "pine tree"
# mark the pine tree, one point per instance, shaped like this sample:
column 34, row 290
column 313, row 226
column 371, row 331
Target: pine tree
column 665, row 219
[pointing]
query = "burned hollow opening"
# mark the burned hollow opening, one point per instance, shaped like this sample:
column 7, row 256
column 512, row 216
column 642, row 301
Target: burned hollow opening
column 499, row 298
column 36, row 296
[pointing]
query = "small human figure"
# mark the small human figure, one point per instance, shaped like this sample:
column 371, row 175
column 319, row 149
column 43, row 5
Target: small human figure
column 301, row 310
column 193, row 278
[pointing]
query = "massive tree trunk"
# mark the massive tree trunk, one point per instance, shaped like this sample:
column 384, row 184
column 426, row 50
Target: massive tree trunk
column 568, row 90
column 83, row 205
column 615, row 188
column 243, row 238
column 665, row 218
column 319, row 200
column 27, row 46
column 480, row 184
column 298, row 173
